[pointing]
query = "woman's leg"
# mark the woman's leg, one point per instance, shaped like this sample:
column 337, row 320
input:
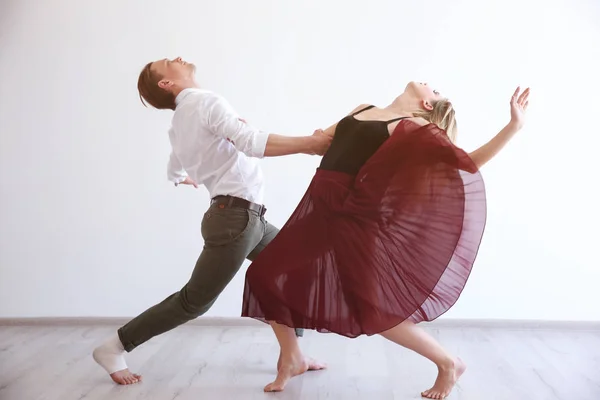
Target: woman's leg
column 291, row 360
column 450, row 368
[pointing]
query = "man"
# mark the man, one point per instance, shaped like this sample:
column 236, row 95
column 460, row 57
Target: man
column 212, row 146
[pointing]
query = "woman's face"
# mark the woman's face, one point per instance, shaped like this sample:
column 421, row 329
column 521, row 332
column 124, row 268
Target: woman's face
column 424, row 93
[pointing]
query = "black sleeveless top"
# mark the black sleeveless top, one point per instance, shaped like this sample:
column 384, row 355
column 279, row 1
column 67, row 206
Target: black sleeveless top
column 354, row 143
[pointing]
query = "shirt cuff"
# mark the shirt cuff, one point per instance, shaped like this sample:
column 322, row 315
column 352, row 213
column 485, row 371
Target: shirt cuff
column 260, row 144
column 177, row 180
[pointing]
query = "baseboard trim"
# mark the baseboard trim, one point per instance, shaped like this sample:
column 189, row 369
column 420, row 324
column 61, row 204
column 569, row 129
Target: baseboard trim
column 249, row 322
column 109, row 321
column 515, row 324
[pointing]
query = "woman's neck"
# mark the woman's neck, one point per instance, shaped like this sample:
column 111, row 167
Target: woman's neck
column 404, row 105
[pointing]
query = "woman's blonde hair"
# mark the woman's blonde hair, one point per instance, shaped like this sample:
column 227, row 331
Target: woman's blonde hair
column 443, row 116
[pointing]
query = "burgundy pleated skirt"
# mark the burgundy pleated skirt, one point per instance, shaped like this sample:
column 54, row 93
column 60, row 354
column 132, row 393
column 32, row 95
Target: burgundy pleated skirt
column 361, row 254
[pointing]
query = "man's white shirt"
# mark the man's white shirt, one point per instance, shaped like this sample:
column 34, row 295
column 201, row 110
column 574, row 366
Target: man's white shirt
column 213, row 146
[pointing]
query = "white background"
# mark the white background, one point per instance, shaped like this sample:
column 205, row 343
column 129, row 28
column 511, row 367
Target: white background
column 90, row 226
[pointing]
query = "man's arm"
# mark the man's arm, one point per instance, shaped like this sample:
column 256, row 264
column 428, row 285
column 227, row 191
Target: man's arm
column 224, row 122
column 279, row 145
column 176, row 173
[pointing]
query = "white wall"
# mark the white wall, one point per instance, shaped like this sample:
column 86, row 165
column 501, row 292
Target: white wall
column 90, row 227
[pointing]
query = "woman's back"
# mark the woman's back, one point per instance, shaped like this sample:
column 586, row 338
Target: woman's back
column 354, row 142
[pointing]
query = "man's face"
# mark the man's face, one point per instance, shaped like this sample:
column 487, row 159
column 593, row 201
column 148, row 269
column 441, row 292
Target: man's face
column 174, row 72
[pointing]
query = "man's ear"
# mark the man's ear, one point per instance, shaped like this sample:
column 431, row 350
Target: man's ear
column 165, row 84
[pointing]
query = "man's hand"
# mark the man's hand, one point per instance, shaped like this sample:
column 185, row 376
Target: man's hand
column 321, row 142
column 188, row 181
column 279, row 145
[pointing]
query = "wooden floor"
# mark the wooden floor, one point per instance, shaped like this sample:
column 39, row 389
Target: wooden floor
column 222, row 363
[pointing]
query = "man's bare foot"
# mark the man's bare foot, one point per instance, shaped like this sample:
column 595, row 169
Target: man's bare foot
column 125, row 377
column 290, row 367
column 446, row 379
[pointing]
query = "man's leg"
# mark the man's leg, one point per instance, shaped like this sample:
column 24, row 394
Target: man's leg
column 270, row 233
column 230, row 235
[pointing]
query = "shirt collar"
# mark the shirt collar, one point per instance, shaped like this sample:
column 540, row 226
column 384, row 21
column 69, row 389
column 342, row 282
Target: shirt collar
column 186, row 92
column 182, row 95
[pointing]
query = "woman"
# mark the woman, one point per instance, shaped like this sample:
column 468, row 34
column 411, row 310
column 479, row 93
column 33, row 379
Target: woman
column 385, row 236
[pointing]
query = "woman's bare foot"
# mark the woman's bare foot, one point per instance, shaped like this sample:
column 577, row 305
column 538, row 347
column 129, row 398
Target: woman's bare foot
column 287, row 368
column 125, row 377
column 447, row 377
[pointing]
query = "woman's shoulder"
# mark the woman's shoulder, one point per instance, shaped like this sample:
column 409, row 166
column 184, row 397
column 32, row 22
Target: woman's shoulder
column 419, row 121
column 360, row 107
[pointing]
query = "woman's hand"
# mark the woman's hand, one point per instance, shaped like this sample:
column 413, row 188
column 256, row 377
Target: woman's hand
column 518, row 107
